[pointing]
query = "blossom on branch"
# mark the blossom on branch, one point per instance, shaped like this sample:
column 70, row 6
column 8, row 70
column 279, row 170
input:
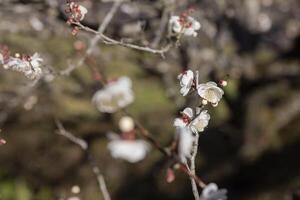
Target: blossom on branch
column 186, row 81
column 114, row 96
column 28, row 65
column 185, row 25
column 77, row 12
column 211, row 192
column 186, row 117
column 210, row 92
column 200, row 122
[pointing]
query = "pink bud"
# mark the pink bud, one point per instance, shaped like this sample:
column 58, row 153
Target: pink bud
column 2, row 141
column 170, row 177
column 223, row 83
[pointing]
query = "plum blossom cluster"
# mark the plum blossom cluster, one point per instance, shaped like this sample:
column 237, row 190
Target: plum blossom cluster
column 194, row 121
column 30, row 66
column 184, row 24
column 76, row 13
column 115, row 95
column 126, row 146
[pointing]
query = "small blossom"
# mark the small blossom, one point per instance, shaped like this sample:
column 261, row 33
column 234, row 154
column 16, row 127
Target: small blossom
column 78, row 11
column 211, row 192
column 187, row 115
column 130, row 150
column 186, row 81
column 185, row 145
column 28, row 65
column 115, row 95
column 200, row 122
column 184, row 24
column 210, row 92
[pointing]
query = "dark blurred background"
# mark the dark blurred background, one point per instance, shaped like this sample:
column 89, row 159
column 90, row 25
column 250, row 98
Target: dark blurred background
column 252, row 144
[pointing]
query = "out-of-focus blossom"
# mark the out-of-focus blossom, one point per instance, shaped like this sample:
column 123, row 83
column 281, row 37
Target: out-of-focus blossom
column 187, row 116
column 200, row 122
column 2, row 141
column 184, row 25
column 130, row 150
column 211, row 192
column 73, row 198
column 185, row 145
column 186, row 81
column 28, row 65
column 78, row 11
column 170, row 176
column 210, row 92
column 115, row 95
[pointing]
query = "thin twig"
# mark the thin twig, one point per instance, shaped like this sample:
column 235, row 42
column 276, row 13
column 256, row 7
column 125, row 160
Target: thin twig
column 62, row 131
column 84, row 146
column 95, row 39
column 107, row 40
column 192, row 167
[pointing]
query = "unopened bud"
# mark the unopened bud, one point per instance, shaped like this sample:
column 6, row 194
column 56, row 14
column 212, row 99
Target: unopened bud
column 2, row 141
column 170, row 177
column 204, row 101
column 126, row 124
column 223, row 83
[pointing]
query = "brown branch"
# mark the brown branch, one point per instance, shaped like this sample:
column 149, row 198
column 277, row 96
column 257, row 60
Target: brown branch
column 107, row 40
column 84, row 146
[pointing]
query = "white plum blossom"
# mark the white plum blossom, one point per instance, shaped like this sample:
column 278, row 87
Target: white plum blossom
column 185, row 143
column 78, row 11
column 200, row 122
column 114, row 96
column 29, row 66
column 184, row 25
column 211, row 192
column 186, row 81
column 187, row 116
column 210, row 92
column 130, row 150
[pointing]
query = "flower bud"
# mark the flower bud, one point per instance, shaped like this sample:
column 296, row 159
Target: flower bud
column 223, row 83
column 126, row 124
column 204, row 101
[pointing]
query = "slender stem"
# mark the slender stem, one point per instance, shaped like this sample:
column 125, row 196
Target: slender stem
column 107, row 40
column 84, row 146
column 95, row 39
column 192, row 167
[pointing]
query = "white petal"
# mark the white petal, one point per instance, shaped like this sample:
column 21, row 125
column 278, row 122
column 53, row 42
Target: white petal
column 178, row 122
column 212, row 187
column 131, row 151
